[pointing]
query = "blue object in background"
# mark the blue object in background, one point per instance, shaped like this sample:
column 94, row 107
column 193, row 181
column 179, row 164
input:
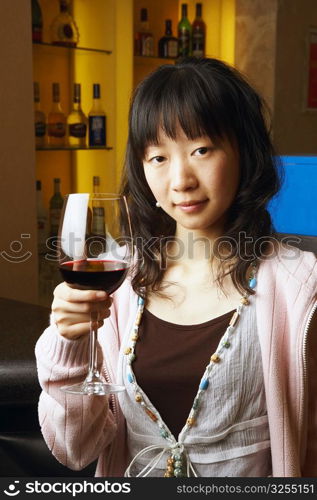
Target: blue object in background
column 294, row 209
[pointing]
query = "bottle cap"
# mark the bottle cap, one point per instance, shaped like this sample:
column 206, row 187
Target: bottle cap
column 143, row 15
column 96, row 91
column 198, row 9
column 76, row 92
column 36, row 90
column 55, row 88
column 63, row 6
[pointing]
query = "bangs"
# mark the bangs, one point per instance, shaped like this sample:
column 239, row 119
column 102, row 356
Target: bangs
column 179, row 97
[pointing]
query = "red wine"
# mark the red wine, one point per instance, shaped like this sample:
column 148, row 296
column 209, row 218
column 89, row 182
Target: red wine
column 94, row 274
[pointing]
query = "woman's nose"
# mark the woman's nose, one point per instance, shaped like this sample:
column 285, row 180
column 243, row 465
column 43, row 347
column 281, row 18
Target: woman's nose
column 182, row 176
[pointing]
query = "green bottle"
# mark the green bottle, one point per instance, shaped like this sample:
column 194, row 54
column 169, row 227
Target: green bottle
column 184, row 34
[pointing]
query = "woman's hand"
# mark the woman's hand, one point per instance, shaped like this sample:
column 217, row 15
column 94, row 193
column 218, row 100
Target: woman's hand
column 72, row 307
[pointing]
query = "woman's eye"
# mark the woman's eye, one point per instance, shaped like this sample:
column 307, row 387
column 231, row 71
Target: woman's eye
column 157, row 159
column 201, row 151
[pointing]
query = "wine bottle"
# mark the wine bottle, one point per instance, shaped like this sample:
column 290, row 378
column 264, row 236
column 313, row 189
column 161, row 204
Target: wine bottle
column 98, row 211
column 41, row 217
column 64, row 30
column 184, row 34
column 39, row 117
column 56, row 120
column 56, row 205
column 168, row 44
column 76, row 121
column 144, row 41
column 37, row 22
column 97, row 120
column 198, row 33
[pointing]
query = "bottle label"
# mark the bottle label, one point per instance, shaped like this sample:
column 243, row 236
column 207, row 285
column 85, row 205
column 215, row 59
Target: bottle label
column 57, row 129
column 40, row 129
column 55, row 216
column 198, row 44
column 98, row 221
column 77, row 130
column 97, row 130
column 147, row 46
column 65, row 31
column 184, row 43
column 172, row 48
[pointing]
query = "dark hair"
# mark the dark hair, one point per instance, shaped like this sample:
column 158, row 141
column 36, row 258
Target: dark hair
column 205, row 97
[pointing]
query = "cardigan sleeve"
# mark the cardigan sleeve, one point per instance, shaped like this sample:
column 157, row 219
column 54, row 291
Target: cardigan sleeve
column 310, row 465
column 76, row 428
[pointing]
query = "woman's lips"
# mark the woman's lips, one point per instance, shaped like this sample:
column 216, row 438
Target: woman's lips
column 191, row 206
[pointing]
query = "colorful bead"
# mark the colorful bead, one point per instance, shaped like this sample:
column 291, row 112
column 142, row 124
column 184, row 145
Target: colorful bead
column 138, row 318
column 170, row 461
column 215, row 358
column 204, row 384
column 178, row 473
column 134, row 337
column 170, row 469
column 226, row 344
column 130, row 378
column 140, row 301
column 127, row 350
column 131, row 357
column 151, row 415
column 196, row 403
column 168, row 474
column 190, row 421
column 177, row 456
column 164, row 433
column 138, row 398
column 245, row 301
column 178, row 464
column 252, row 283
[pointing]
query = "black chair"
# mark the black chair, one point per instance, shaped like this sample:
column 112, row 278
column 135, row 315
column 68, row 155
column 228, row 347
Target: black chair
column 23, row 451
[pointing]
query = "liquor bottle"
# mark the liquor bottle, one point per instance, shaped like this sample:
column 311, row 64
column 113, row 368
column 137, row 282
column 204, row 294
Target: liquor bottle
column 37, row 22
column 97, row 120
column 168, row 44
column 184, row 34
column 198, row 33
column 76, row 121
column 56, row 120
column 56, row 205
column 64, row 30
column 98, row 211
column 41, row 216
column 144, row 42
column 39, row 117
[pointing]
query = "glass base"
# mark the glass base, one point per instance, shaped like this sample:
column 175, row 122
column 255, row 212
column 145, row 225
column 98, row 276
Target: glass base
column 93, row 388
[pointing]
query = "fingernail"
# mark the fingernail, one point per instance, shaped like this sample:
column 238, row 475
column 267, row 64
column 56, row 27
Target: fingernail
column 101, row 295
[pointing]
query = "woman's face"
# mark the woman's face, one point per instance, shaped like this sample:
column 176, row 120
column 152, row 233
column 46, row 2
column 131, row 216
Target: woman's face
column 195, row 181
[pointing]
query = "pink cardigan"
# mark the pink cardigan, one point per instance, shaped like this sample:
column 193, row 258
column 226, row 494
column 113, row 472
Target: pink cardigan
column 80, row 429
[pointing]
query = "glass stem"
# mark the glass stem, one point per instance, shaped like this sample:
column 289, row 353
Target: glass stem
column 93, row 372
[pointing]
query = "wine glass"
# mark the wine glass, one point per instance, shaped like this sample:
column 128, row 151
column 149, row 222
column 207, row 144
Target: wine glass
column 94, row 254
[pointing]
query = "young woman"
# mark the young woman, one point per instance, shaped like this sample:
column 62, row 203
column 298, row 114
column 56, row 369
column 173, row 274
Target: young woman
column 214, row 334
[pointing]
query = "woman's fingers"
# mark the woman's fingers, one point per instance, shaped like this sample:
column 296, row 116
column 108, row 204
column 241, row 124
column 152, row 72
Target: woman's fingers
column 74, row 309
column 77, row 330
column 69, row 294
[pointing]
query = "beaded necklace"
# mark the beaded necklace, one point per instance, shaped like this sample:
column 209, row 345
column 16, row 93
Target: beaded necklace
column 178, row 464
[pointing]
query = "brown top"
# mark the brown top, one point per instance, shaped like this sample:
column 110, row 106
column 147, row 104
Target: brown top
column 170, row 361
